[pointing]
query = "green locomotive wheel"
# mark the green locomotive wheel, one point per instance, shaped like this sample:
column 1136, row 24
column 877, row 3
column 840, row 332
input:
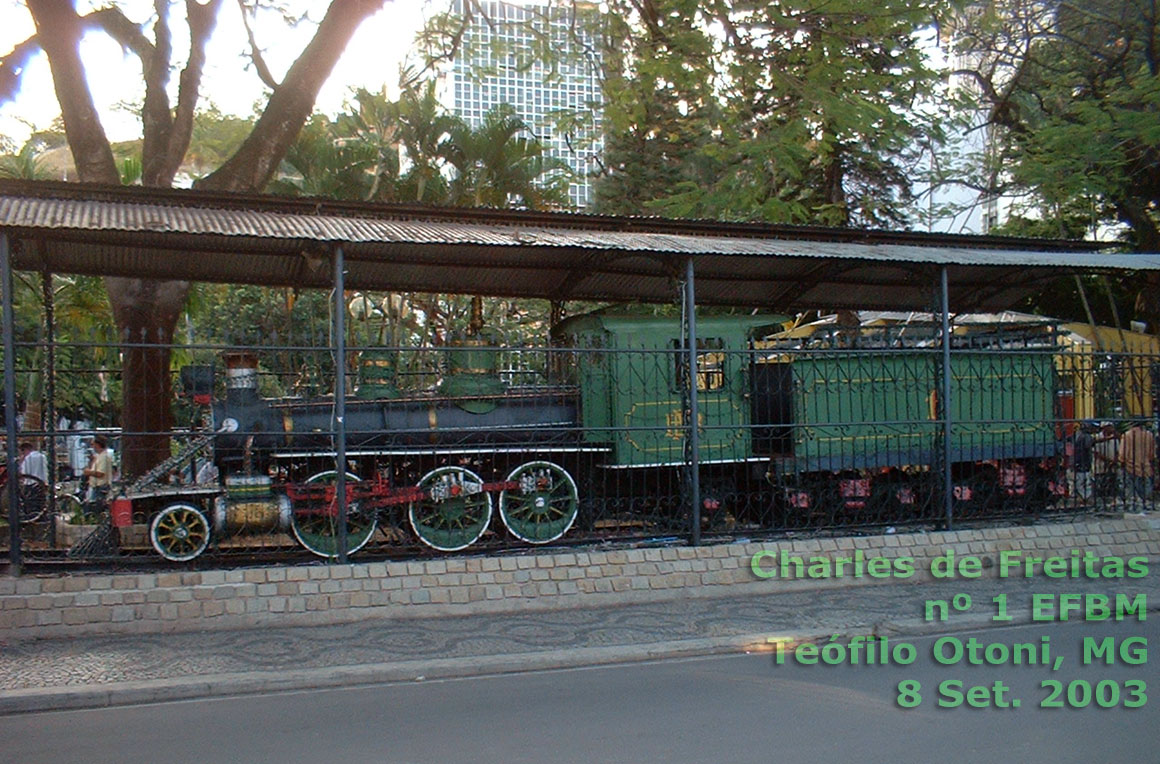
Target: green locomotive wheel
column 179, row 532
column 455, row 510
column 318, row 532
column 544, row 507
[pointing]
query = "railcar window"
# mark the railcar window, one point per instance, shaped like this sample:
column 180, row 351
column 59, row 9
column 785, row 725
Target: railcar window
column 710, row 364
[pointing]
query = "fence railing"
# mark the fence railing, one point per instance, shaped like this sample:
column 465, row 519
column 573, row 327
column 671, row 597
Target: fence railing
column 479, row 447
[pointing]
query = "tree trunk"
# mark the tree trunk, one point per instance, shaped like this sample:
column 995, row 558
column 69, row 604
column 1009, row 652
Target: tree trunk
column 1147, row 239
column 59, row 30
column 146, row 312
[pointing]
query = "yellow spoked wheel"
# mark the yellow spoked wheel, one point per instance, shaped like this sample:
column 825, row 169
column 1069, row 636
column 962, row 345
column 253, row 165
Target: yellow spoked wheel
column 179, row 532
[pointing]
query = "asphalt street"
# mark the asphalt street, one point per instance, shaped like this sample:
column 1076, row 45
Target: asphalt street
column 734, row 708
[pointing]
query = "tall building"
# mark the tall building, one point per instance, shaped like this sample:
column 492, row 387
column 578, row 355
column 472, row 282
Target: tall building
column 980, row 211
column 501, row 62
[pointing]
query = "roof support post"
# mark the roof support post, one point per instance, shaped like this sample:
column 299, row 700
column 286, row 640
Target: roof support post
column 46, row 281
column 944, row 310
column 338, row 426
column 694, row 441
column 10, row 406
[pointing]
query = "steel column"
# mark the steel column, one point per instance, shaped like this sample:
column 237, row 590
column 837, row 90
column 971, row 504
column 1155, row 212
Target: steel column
column 339, row 423
column 49, row 423
column 694, row 412
column 10, row 406
column 944, row 305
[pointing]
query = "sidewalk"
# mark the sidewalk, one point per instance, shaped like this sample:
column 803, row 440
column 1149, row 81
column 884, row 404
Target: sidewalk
column 113, row 670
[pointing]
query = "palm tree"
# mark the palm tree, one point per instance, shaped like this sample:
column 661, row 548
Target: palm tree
column 352, row 157
column 367, row 136
column 27, row 164
column 424, row 130
column 498, row 165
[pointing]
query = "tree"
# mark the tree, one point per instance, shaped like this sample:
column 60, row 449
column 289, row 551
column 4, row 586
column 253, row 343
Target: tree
column 496, row 163
column 1069, row 95
column 658, row 127
column 785, row 111
column 146, row 311
column 86, row 338
column 327, row 160
column 424, row 129
column 447, row 161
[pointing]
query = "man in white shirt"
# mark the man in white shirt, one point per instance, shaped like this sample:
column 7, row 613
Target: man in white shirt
column 32, row 462
column 33, row 482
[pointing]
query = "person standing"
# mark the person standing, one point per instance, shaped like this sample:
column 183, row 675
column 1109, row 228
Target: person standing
column 99, row 472
column 1138, row 455
column 1106, row 461
column 33, row 481
column 1081, row 462
column 33, row 464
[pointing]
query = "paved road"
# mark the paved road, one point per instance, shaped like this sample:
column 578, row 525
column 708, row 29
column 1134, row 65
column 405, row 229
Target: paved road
column 194, row 664
column 740, row 708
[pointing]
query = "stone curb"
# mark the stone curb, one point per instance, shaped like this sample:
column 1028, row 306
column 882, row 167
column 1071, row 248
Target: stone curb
column 342, row 677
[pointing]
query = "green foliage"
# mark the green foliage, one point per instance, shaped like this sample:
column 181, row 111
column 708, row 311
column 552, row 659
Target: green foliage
column 424, row 130
column 1071, row 97
column 783, row 111
column 328, row 161
column 354, row 156
column 214, row 138
column 444, row 160
column 498, row 165
column 87, row 384
column 295, row 323
column 26, row 164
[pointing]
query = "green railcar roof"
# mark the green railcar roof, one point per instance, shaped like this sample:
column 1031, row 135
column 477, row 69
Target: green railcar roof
column 620, row 323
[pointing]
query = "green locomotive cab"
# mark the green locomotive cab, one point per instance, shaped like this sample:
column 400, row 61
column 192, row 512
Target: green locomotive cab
column 631, row 372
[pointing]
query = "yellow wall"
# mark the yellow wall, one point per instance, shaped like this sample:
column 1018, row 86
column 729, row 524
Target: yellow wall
column 1136, row 352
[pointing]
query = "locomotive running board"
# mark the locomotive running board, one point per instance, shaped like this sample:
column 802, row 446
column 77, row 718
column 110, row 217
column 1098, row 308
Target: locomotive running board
column 682, row 463
column 439, row 451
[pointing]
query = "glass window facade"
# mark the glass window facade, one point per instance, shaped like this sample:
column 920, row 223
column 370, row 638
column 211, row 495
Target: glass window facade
column 498, row 65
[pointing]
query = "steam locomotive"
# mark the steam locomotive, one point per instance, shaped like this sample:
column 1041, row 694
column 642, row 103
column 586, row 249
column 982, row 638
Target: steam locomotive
column 828, row 430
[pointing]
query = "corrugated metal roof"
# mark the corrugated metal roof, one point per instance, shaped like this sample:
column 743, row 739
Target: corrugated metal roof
column 214, row 237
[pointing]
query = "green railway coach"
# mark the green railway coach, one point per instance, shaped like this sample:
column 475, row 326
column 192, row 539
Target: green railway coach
column 865, row 410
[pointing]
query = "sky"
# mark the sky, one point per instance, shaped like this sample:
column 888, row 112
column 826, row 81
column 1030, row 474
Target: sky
column 371, row 60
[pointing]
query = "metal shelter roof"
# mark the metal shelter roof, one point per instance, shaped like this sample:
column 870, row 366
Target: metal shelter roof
column 199, row 236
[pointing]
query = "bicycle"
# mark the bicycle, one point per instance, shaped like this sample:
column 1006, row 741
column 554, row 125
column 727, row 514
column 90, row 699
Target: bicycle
column 32, row 498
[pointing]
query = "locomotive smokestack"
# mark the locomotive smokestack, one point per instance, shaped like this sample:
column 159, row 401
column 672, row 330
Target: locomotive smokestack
column 241, row 378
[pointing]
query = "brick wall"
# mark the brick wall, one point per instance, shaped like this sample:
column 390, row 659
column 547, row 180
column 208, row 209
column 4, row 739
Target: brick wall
column 51, row 606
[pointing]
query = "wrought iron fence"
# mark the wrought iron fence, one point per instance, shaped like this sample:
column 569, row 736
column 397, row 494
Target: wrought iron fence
column 587, row 436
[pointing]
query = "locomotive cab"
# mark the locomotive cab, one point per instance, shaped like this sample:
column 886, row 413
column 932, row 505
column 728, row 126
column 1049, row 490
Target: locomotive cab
column 632, row 374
